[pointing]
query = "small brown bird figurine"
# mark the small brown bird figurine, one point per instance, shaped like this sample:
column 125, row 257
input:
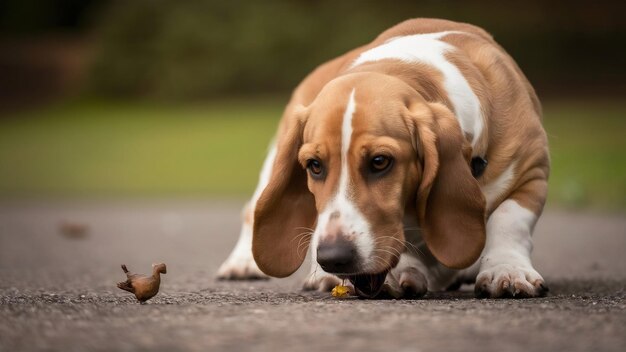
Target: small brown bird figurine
column 144, row 287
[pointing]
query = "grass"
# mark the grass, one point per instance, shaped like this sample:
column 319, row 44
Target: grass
column 111, row 149
column 588, row 149
column 105, row 149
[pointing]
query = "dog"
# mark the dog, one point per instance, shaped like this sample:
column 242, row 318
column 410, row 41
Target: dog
column 411, row 164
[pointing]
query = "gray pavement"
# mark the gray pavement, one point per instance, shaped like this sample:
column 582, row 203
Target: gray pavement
column 58, row 292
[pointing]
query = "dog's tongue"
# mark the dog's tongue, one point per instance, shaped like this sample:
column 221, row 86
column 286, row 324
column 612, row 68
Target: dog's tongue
column 368, row 285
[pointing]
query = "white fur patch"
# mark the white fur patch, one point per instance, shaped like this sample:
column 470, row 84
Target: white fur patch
column 350, row 218
column 346, row 138
column 240, row 264
column 495, row 188
column 506, row 258
column 509, row 230
column 266, row 173
column 430, row 50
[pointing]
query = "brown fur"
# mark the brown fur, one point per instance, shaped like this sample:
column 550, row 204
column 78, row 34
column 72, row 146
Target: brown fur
column 415, row 123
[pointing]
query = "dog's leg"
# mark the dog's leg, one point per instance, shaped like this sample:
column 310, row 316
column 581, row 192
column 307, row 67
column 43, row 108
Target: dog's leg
column 417, row 272
column 505, row 266
column 407, row 279
column 240, row 264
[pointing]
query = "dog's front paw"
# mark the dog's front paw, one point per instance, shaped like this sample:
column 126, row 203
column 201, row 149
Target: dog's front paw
column 413, row 283
column 407, row 283
column 509, row 280
column 321, row 281
column 240, row 268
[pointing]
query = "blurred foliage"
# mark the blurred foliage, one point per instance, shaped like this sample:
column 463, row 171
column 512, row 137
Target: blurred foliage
column 35, row 16
column 195, row 49
column 196, row 150
column 588, row 152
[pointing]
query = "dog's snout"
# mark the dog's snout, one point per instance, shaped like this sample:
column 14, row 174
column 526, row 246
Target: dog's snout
column 338, row 256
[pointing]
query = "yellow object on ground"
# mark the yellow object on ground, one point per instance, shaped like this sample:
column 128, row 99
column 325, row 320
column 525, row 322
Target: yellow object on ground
column 340, row 291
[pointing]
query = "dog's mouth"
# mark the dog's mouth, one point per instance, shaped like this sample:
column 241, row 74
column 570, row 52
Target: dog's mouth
column 368, row 285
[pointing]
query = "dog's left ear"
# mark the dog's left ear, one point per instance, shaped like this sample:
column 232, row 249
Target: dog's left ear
column 450, row 204
column 285, row 211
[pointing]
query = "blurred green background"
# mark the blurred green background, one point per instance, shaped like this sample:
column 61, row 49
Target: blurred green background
column 155, row 98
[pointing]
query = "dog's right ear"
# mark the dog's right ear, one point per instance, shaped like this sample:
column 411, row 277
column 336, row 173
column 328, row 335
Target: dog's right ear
column 450, row 203
column 286, row 208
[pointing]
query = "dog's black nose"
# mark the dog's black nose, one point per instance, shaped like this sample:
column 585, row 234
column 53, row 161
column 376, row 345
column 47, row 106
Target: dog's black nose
column 337, row 257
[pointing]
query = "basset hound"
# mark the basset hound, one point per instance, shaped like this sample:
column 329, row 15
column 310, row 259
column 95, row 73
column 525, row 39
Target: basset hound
column 407, row 165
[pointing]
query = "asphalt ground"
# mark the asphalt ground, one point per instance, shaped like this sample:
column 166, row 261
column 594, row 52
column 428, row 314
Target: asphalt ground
column 60, row 261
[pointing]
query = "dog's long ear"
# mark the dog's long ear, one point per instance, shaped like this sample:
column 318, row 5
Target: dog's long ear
column 450, row 204
column 285, row 210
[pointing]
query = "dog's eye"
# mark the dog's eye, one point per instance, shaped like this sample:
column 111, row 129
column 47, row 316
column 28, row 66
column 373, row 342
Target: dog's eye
column 314, row 166
column 380, row 163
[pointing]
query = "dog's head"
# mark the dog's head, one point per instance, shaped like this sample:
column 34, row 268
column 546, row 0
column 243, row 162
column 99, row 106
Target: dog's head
column 351, row 167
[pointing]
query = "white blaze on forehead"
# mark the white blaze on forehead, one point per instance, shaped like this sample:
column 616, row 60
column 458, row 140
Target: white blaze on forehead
column 346, row 138
column 353, row 223
column 430, row 50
